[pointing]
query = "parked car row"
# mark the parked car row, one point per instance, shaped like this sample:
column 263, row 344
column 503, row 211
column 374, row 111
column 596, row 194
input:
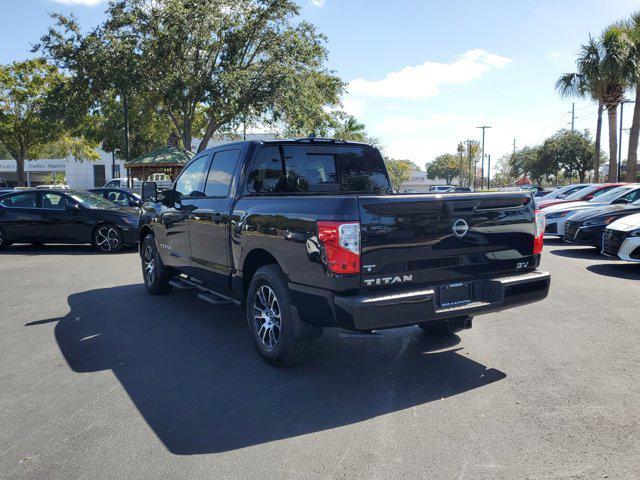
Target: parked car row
column 605, row 216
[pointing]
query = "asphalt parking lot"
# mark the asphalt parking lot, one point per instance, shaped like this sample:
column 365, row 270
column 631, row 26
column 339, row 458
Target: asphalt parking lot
column 101, row 380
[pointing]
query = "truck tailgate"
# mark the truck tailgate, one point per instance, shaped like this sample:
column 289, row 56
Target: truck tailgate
column 428, row 239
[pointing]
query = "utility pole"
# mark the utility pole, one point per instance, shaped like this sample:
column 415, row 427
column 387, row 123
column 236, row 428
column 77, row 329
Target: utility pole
column 460, row 150
column 573, row 116
column 489, row 172
column 483, row 127
column 514, row 146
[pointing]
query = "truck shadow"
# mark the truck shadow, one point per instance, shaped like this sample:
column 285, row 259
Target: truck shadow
column 192, row 372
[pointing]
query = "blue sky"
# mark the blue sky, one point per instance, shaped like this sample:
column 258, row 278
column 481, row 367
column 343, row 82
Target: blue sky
column 423, row 74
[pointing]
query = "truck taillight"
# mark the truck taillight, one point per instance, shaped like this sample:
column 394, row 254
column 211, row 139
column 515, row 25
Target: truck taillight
column 341, row 241
column 538, row 232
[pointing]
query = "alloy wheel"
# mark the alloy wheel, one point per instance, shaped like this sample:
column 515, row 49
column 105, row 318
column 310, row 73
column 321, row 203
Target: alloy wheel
column 107, row 239
column 149, row 264
column 267, row 316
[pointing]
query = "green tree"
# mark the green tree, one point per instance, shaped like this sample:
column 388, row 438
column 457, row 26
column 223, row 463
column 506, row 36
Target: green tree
column 148, row 130
column 602, row 75
column 572, row 151
column 502, row 173
column 105, row 64
column 78, row 148
column 471, row 152
column 233, row 61
column 399, row 171
column 348, row 128
column 528, row 162
column 24, row 126
column 446, row 167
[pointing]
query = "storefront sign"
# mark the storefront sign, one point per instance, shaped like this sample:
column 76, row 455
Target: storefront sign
column 55, row 165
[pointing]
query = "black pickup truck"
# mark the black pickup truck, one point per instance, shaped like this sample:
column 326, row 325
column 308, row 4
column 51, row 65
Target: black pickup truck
column 307, row 234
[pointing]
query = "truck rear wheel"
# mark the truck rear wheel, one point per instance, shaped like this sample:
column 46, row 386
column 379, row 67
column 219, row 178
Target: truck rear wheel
column 270, row 319
column 155, row 274
column 446, row 327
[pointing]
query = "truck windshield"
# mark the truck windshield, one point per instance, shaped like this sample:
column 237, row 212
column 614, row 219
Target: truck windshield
column 318, row 169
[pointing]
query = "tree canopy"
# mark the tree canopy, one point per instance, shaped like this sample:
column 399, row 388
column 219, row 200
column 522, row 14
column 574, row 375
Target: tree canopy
column 446, row 167
column 229, row 61
column 399, row 171
column 571, row 151
column 24, row 124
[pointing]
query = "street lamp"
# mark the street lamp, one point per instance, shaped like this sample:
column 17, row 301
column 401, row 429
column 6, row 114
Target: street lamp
column 483, row 127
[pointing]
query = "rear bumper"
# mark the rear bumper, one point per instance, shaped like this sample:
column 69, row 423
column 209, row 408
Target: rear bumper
column 385, row 310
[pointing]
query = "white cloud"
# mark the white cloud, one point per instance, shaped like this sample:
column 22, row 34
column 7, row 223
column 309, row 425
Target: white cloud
column 423, row 81
column 354, row 106
column 553, row 54
column 85, row 3
column 317, row 3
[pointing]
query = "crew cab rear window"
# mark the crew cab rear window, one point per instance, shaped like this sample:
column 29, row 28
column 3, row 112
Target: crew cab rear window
column 223, row 166
column 318, row 169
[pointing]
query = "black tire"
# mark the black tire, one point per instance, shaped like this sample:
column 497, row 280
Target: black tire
column 276, row 343
column 445, row 328
column 107, row 238
column 4, row 243
column 156, row 276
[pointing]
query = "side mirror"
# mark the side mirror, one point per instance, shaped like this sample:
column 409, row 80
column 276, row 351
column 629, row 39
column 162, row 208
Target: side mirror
column 588, row 197
column 620, row 201
column 149, row 192
column 73, row 207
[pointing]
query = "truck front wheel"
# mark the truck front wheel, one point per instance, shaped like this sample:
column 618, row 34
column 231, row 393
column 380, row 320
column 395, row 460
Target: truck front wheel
column 270, row 320
column 155, row 274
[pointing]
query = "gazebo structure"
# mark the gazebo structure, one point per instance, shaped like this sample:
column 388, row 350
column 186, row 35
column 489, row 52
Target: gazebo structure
column 167, row 160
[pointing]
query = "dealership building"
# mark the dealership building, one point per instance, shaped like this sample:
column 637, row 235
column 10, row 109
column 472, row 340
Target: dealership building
column 78, row 175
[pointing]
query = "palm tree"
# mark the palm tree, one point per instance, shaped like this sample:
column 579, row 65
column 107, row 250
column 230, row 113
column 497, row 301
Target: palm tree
column 602, row 76
column 633, row 30
column 616, row 47
column 350, row 129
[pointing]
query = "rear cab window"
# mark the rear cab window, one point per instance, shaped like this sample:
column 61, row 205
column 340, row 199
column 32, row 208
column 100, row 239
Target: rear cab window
column 318, row 169
column 221, row 172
